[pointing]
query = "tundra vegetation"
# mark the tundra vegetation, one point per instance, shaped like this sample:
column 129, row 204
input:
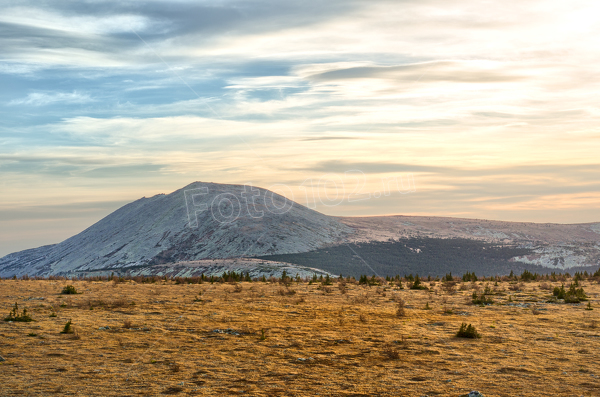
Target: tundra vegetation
column 526, row 334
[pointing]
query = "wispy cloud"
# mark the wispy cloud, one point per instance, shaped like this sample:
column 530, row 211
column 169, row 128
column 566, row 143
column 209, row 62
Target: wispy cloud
column 42, row 99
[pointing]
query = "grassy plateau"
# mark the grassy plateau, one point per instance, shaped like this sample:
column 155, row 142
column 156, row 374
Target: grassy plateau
column 298, row 339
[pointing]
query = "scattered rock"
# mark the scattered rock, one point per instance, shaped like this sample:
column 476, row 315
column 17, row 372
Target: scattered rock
column 518, row 304
column 104, row 328
column 2, row 359
column 226, row 331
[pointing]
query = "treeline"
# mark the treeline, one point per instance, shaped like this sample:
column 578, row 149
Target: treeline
column 412, row 281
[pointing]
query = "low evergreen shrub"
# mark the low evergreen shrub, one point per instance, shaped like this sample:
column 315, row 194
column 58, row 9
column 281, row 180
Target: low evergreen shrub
column 69, row 290
column 467, row 331
column 14, row 315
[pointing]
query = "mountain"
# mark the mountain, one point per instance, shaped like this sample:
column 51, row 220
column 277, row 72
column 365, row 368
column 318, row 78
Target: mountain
column 200, row 221
column 208, row 228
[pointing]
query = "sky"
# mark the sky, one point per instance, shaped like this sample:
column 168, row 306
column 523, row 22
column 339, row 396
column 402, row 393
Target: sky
column 474, row 109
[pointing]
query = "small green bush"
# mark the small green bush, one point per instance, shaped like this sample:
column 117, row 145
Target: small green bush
column 67, row 329
column 469, row 277
column 482, row 299
column 559, row 292
column 572, row 295
column 14, row 315
column 467, row 331
column 417, row 283
column 69, row 290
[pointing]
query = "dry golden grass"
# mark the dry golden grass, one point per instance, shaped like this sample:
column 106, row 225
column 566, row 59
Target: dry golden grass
column 300, row 341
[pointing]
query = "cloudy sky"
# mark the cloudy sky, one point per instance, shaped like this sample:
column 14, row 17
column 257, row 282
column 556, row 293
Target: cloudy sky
column 478, row 109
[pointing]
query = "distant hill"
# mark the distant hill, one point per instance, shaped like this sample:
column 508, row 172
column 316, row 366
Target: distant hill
column 552, row 246
column 419, row 255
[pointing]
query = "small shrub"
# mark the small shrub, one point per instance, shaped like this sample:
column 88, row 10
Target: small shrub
column 467, row 331
column 575, row 295
column 342, row 286
column 589, row 306
column 417, row 283
column 559, row 292
column 175, row 367
column 127, row 324
column 52, row 314
column 69, row 290
column 469, row 277
column 528, row 276
column 427, row 307
column 572, row 295
column 67, row 329
column 390, row 352
column 593, row 324
column 362, row 318
column 360, row 299
column 286, row 292
column 14, row 315
column 173, row 390
column 449, row 287
column 74, row 336
column 263, row 334
column 400, row 311
column 238, row 288
column 482, row 299
column 516, row 287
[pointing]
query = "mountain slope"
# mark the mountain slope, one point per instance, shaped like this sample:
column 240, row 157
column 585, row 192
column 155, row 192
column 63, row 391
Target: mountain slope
column 555, row 246
column 159, row 229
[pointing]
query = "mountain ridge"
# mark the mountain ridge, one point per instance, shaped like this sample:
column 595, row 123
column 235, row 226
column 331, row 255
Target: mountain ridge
column 220, row 221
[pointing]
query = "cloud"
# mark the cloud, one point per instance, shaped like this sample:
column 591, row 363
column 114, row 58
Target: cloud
column 124, row 171
column 455, row 71
column 43, row 99
column 492, row 106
